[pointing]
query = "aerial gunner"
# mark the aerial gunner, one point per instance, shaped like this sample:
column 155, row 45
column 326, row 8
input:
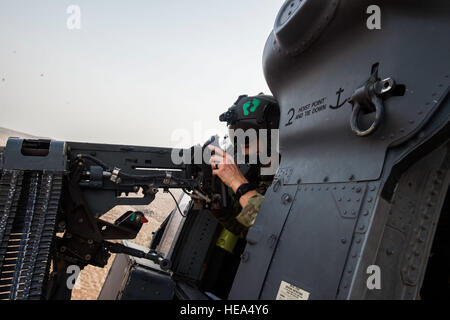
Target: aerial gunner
column 251, row 122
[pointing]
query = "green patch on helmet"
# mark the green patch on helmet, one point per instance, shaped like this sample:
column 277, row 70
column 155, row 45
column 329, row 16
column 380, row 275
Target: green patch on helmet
column 255, row 103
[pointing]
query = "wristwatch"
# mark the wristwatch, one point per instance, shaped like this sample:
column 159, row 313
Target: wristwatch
column 243, row 189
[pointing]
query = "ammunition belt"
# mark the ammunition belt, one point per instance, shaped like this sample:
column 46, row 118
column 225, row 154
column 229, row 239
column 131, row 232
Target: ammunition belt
column 28, row 207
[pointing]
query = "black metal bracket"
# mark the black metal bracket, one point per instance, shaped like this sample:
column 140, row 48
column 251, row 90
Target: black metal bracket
column 370, row 97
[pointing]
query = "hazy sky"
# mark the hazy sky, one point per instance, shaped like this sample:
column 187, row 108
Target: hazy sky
column 135, row 72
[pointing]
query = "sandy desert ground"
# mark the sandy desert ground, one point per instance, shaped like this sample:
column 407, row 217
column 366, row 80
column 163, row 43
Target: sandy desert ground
column 92, row 278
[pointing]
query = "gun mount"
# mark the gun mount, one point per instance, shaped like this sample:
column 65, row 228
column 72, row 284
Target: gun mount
column 51, row 187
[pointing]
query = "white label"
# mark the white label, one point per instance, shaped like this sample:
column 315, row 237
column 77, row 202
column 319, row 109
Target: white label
column 288, row 291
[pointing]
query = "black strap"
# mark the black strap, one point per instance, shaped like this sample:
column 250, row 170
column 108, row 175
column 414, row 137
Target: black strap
column 243, row 189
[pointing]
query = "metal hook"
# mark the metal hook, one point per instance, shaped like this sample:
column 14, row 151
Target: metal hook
column 369, row 94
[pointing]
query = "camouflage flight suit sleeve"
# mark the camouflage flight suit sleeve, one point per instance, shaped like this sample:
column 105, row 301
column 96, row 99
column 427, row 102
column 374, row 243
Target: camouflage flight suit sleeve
column 248, row 214
column 239, row 224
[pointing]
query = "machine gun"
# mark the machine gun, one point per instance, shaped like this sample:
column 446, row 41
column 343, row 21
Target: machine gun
column 51, row 187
